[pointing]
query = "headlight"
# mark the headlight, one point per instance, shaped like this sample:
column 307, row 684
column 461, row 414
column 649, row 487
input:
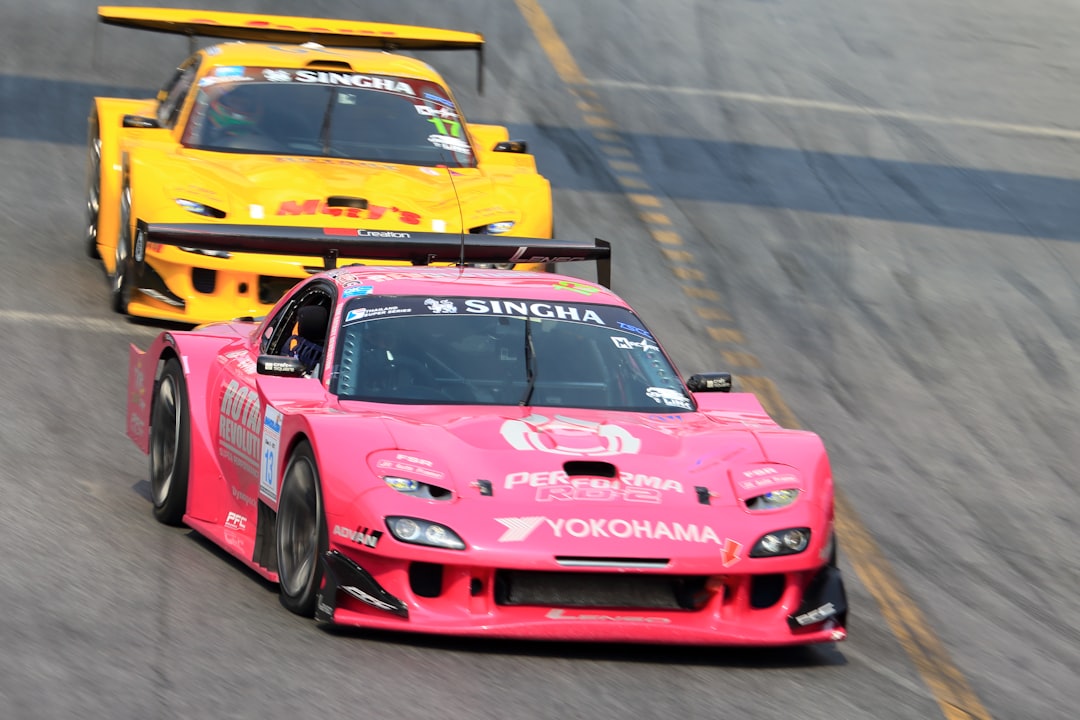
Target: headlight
column 495, row 228
column 199, row 209
column 498, row 228
column 773, row 500
column 408, row 486
column 782, row 542
column 422, row 532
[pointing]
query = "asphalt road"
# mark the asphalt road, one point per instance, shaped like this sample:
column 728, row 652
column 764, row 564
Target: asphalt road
column 868, row 211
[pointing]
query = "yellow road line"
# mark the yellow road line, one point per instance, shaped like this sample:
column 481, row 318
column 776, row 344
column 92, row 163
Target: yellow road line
column 549, row 40
column 951, row 690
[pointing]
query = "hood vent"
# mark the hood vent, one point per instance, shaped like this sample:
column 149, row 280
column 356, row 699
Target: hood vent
column 589, row 468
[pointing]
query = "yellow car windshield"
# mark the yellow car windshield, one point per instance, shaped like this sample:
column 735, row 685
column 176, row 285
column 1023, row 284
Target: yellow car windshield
column 327, row 114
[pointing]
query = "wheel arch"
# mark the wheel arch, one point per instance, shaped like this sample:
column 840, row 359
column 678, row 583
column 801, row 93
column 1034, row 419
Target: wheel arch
column 106, row 118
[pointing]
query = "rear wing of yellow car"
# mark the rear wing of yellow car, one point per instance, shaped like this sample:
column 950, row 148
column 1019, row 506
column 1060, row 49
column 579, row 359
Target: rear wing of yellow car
column 419, row 248
column 294, row 30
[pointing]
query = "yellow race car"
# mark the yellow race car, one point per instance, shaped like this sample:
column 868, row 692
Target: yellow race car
column 297, row 125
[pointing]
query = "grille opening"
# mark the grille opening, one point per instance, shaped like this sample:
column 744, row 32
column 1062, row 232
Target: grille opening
column 425, row 579
column 589, row 468
column 476, row 587
column 272, row 288
column 613, row 591
column 204, row 280
column 765, row 590
column 617, row 562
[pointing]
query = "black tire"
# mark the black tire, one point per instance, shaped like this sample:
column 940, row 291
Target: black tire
column 301, row 536
column 93, row 192
column 120, row 282
column 170, row 445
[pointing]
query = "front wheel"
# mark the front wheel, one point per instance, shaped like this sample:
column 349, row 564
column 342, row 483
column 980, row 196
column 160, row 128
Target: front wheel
column 301, row 533
column 121, row 278
column 93, row 195
column 170, row 446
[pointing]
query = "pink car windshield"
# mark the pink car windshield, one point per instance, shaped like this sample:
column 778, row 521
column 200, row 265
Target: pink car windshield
column 484, row 351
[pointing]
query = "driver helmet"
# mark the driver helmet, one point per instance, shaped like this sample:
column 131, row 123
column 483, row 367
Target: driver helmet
column 234, row 111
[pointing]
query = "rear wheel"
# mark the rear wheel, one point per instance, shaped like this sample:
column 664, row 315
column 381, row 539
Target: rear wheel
column 170, row 445
column 121, row 278
column 301, row 533
column 93, row 194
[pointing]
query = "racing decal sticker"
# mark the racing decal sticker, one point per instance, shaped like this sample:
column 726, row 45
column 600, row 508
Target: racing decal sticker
column 271, row 442
column 361, row 535
column 729, row 553
column 441, row 306
column 441, row 114
column 229, row 71
column 236, row 521
column 437, row 99
column 634, row 329
column 624, row 343
column 669, row 397
column 240, row 360
column 568, row 436
column 273, row 75
column 519, row 529
column 450, row 143
column 578, row 287
column 357, row 290
column 243, row 497
column 315, row 206
column 648, row 485
column 766, row 477
column 524, row 308
column 137, row 428
column 371, row 82
column 398, row 462
column 367, row 313
column 238, row 427
column 560, row 614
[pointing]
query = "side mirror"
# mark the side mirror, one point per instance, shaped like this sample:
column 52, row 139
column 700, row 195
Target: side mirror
column 710, row 382
column 140, row 121
column 280, row 366
column 512, row 146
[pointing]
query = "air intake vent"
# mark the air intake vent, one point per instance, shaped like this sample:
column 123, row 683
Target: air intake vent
column 600, row 590
column 329, row 65
column 589, row 468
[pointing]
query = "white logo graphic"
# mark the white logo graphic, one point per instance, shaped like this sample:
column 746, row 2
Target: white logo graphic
column 628, row 344
column 520, row 528
column 440, row 306
column 569, row 436
column 669, row 397
column 517, row 529
column 236, row 521
column 277, row 75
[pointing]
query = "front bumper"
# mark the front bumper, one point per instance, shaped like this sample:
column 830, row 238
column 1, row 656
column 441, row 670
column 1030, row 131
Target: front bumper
column 792, row 608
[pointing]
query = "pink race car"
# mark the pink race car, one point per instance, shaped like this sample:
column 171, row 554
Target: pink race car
column 475, row 451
